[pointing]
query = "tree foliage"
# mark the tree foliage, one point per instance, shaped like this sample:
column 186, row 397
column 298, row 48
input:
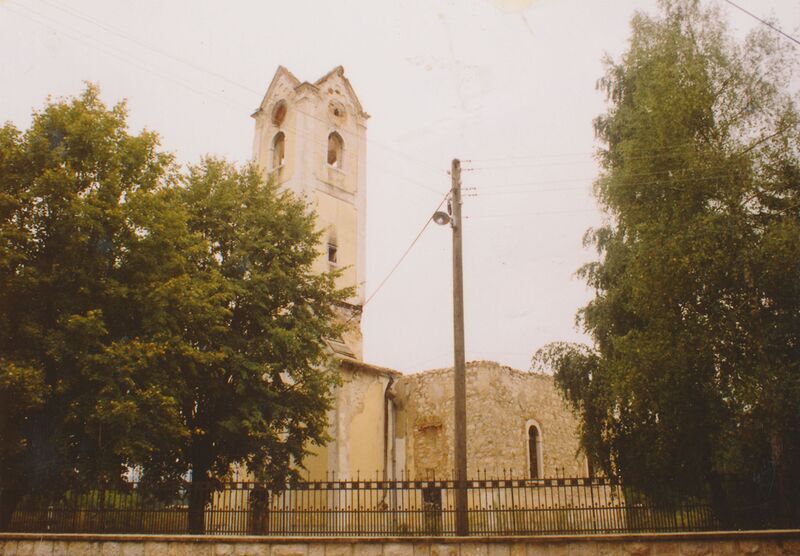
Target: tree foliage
column 692, row 385
column 63, row 234
column 236, row 323
column 148, row 317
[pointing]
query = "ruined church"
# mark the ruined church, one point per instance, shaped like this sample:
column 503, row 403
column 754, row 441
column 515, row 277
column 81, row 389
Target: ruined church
column 311, row 138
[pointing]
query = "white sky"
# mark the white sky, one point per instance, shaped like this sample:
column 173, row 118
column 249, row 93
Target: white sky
column 508, row 85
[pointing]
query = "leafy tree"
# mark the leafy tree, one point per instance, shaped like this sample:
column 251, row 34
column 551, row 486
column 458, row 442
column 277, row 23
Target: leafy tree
column 66, row 415
column 236, row 320
column 692, row 385
column 148, row 318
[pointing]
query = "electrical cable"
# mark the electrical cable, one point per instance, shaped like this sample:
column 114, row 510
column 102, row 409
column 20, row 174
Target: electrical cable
column 768, row 24
column 121, row 34
column 652, row 175
column 106, row 49
column 124, row 56
column 493, row 189
column 404, row 255
column 658, row 152
column 541, row 213
column 115, row 31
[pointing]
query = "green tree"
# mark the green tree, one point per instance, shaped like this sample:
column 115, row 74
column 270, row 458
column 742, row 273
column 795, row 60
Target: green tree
column 152, row 319
column 692, row 384
column 236, row 321
column 65, row 190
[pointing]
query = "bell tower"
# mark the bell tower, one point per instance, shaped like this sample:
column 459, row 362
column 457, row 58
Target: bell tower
column 311, row 138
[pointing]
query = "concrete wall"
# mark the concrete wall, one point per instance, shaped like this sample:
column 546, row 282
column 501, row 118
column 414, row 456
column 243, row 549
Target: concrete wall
column 767, row 543
column 501, row 404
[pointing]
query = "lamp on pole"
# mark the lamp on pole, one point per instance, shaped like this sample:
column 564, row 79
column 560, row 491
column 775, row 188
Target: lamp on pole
column 459, row 374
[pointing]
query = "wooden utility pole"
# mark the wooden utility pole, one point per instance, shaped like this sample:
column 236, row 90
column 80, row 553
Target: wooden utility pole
column 459, row 374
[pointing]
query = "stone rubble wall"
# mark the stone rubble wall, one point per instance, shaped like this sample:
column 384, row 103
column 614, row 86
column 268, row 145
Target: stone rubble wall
column 501, row 402
column 765, row 543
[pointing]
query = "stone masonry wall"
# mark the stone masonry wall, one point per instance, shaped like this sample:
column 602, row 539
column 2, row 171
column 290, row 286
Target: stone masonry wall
column 767, row 543
column 501, row 402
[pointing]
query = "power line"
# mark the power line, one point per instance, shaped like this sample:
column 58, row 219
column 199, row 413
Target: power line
column 658, row 152
column 509, row 166
column 540, row 213
column 479, row 193
column 107, row 49
column 42, row 20
column 124, row 56
column 407, row 251
column 767, row 23
column 115, row 31
column 493, row 189
column 119, row 54
column 76, row 13
column 652, row 175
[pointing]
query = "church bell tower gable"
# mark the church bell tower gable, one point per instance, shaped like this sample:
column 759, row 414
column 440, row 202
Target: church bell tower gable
column 311, row 138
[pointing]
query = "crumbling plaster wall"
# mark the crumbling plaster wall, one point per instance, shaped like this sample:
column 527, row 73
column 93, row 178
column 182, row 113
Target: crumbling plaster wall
column 500, row 402
column 356, row 426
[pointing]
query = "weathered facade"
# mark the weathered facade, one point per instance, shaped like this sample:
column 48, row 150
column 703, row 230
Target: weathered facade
column 357, row 426
column 310, row 138
column 503, row 405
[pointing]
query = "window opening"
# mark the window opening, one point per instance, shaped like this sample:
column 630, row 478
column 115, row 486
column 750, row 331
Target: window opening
column 279, row 113
column 278, row 150
column 335, row 149
column 533, row 451
column 332, row 251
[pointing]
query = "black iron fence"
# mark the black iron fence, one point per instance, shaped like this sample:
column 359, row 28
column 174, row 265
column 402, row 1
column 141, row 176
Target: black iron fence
column 372, row 508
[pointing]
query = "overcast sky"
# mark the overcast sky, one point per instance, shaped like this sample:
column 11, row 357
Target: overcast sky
column 508, row 86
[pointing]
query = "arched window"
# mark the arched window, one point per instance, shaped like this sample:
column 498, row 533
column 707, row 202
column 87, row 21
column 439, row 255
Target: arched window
column 278, row 150
column 534, row 451
column 335, row 150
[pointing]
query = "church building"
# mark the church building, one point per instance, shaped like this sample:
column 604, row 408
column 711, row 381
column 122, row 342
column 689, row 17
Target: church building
column 310, row 138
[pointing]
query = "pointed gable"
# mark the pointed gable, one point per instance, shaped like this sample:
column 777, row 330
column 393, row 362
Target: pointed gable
column 336, row 80
column 282, row 83
column 285, row 82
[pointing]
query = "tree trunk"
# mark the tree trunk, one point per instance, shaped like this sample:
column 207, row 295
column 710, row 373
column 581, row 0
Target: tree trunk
column 199, row 495
column 259, row 511
column 720, row 503
column 9, row 499
column 784, row 508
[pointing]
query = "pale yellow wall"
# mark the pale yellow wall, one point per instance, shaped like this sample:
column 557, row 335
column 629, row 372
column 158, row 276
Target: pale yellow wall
column 366, row 433
column 337, row 195
column 343, row 216
column 317, row 464
column 356, row 426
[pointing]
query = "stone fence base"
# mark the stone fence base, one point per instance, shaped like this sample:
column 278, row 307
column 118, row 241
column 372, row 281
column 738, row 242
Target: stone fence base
column 759, row 543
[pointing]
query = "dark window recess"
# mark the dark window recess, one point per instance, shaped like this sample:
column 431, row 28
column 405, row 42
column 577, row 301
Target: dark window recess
column 533, row 455
column 335, row 149
column 278, row 150
column 331, row 253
